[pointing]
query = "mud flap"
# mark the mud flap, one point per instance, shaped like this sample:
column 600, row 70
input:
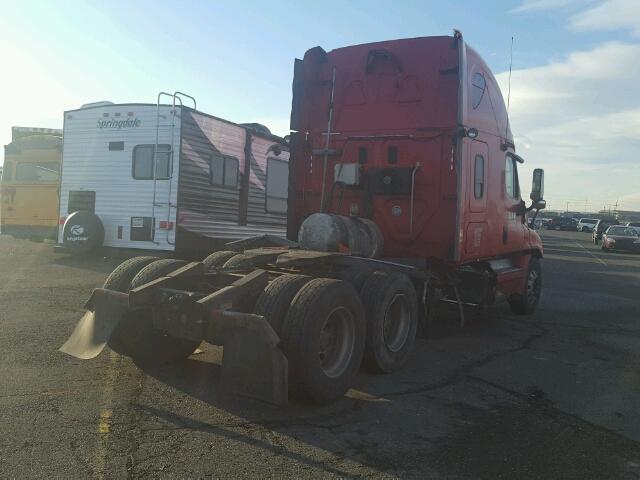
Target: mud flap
column 252, row 365
column 104, row 312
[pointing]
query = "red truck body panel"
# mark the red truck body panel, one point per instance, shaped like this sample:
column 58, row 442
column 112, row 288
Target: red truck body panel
column 398, row 110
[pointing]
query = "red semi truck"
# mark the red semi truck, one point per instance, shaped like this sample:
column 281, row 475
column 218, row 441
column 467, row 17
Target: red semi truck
column 403, row 191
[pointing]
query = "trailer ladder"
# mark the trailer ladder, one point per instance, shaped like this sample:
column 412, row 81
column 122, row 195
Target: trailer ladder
column 176, row 100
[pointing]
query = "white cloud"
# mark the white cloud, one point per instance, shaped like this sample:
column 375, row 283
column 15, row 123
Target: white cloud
column 579, row 118
column 610, row 15
column 542, row 5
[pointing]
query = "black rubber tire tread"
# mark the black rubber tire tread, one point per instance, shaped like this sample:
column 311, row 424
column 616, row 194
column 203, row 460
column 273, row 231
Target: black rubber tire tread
column 217, row 259
column 239, row 261
column 300, row 333
column 377, row 293
column 147, row 345
column 120, row 278
column 120, row 281
column 275, row 300
column 518, row 303
column 356, row 276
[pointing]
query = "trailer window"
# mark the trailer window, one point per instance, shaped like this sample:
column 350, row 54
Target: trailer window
column 511, row 178
column 142, row 168
column 224, row 171
column 478, row 86
column 37, row 172
column 277, row 186
column 478, row 188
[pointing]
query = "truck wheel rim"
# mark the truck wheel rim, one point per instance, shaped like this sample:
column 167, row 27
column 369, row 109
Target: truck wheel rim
column 337, row 339
column 533, row 287
column 397, row 320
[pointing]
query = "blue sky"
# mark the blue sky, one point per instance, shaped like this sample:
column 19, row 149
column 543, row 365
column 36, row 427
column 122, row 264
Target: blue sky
column 236, row 58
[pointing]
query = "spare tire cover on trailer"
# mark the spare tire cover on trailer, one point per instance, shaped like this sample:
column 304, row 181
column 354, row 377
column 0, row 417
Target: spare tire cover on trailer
column 82, row 232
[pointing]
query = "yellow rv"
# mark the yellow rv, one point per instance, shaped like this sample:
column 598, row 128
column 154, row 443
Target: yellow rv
column 30, row 187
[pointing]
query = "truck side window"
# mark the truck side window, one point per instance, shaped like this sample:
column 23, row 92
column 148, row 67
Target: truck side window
column 478, row 186
column 478, row 86
column 224, row 171
column 142, row 168
column 512, row 187
column 277, row 186
column 37, row 172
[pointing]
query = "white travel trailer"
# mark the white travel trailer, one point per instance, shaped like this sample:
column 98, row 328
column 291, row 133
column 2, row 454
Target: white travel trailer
column 169, row 178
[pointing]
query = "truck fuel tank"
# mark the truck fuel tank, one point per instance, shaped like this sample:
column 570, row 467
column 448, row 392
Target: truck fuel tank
column 328, row 232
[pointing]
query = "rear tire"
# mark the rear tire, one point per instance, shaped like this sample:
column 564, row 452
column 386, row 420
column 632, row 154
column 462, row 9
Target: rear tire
column 144, row 343
column 391, row 308
column 120, row 281
column 240, row 262
column 323, row 337
column 356, row 276
column 217, row 259
column 526, row 304
column 275, row 300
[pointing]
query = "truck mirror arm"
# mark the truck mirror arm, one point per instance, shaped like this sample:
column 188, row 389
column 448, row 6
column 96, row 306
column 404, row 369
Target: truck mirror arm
column 537, row 206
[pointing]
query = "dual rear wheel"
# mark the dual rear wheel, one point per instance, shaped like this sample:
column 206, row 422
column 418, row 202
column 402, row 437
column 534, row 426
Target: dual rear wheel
column 327, row 327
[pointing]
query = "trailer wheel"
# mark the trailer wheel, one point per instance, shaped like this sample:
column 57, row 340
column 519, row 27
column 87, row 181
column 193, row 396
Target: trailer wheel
column 239, row 261
column 323, row 337
column 142, row 342
column 120, row 280
column 526, row 304
column 275, row 300
column 391, row 308
column 217, row 259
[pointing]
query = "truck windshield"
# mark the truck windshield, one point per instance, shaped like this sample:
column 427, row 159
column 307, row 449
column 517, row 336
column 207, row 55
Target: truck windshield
column 37, row 172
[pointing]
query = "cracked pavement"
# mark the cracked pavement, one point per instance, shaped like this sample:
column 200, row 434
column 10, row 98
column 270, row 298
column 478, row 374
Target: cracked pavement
column 554, row 395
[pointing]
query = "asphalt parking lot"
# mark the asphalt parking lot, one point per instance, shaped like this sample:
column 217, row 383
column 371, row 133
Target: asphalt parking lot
column 554, row 395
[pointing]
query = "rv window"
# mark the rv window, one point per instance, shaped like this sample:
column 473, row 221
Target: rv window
column 143, row 162
column 478, row 189
column 478, row 86
column 277, row 186
column 511, row 178
column 37, row 172
column 224, row 171
column 230, row 172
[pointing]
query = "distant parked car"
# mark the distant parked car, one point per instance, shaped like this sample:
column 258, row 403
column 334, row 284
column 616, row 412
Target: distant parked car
column 619, row 237
column 635, row 225
column 600, row 228
column 586, row 224
column 562, row 223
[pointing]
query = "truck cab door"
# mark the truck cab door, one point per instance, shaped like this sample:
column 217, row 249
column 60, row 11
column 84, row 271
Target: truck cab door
column 476, row 242
column 512, row 226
